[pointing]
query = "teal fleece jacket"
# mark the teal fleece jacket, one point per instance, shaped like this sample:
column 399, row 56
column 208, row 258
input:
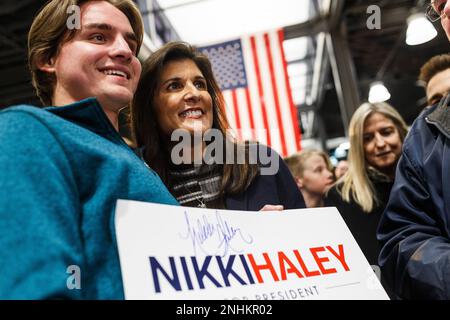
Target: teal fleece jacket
column 61, row 171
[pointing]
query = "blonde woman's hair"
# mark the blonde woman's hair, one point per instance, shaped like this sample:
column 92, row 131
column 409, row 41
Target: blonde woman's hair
column 356, row 183
column 296, row 162
column 49, row 32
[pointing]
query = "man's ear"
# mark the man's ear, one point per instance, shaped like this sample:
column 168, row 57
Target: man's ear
column 47, row 66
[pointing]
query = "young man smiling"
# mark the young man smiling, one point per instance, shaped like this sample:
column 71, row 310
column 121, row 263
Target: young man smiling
column 63, row 168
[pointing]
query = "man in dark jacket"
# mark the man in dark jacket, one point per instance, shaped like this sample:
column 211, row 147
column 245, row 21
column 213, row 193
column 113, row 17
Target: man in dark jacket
column 415, row 228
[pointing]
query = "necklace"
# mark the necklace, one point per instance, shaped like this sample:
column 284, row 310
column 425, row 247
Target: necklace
column 200, row 204
column 196, row 186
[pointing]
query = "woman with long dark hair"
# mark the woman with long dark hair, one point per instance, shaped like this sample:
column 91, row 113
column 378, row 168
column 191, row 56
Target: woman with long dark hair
column 178, row 96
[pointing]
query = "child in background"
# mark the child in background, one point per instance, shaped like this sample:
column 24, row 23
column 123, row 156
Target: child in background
column 341, row 168
column 313, row 174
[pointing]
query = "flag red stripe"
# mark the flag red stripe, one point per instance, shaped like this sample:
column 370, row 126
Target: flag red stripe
column 275, row 94
column 250, row 113
column 260, row 87
column 236, row 113
column 288, row 87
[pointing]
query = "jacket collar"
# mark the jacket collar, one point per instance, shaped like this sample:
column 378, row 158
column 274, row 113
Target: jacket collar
column 440, row 117
column 88, row 114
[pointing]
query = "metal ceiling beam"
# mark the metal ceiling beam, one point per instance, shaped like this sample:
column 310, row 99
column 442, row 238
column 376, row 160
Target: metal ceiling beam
column 318, row 86
column 392, row 17
column 342, row 65
column 317, row 26
column 306, row 29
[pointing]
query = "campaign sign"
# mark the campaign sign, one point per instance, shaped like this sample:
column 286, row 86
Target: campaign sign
column 171, row 252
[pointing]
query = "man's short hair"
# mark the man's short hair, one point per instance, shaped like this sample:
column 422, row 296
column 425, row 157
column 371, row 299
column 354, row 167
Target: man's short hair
column 433, row 66
column 49, row 32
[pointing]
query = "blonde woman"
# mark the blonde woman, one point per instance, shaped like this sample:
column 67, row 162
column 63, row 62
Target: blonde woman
column 376, row 134
column 313, row 174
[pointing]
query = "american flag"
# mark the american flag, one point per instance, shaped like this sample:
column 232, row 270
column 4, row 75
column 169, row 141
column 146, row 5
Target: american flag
column 252, row 74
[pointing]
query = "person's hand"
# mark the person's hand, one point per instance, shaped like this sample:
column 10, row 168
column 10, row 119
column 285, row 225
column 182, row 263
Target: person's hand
column 272, row 207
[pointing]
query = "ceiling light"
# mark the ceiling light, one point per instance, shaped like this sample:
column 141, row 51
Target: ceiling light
column 420, row 30
column 378, row 92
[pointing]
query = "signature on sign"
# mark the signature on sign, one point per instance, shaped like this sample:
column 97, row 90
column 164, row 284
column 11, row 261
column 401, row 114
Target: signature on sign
column 213, row 235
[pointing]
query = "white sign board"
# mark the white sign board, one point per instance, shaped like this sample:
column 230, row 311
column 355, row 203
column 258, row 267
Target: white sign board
column 170, row 252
